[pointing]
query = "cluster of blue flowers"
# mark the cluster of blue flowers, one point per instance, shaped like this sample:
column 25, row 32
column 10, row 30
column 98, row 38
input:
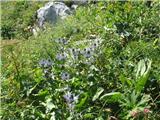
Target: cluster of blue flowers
column 87, row 52
column 75, row 52
column 46, row 65
column 70, row 99
column 65, row 55
column 61, row 56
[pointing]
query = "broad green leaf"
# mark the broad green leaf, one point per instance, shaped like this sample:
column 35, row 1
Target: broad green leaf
column 143, row 67
column 42, row 93
column 98, row 93
column 112, row 94
column 124, row 80
column 37, row 75
column 144, row 74
column 82, row 101
column 88, row 115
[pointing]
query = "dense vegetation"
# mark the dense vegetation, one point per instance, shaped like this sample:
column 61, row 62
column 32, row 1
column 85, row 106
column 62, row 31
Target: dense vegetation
column 101, row 63
column 17, row 17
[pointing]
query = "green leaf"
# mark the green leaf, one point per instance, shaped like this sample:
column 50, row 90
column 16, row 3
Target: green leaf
column 144, row 100
column 42, row 93
column 98, row 93
column 31, row 89
column 38, row 75
column 49, row 104
column 142, row 74
column 99, row 118
column 115, row 96
column 83, row 100
column 125, row 81
column 143, row 68
column 69, row 118
column 53, row 116
column 88, row 115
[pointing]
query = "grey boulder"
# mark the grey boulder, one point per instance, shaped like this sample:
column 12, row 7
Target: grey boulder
column 51, row 12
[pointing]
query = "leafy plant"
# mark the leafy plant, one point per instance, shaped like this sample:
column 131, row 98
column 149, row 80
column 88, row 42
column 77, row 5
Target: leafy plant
column 133, row 104
column 142, row 74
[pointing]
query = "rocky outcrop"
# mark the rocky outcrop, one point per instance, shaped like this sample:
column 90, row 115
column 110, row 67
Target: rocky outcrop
column 69, row 3
column 80, row 2
column 51, row 12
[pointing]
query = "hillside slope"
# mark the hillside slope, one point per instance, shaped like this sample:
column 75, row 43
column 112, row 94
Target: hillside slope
column 100, row 63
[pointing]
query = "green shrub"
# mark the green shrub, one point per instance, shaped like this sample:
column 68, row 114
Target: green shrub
column 16, row 17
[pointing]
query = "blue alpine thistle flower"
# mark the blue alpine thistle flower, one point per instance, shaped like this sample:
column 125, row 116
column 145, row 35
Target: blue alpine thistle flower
column 70, row 99
column 94, row 46
column 87, row 52
column 45, row 63
column 65, row 76
column 61, row 56
column 75, row 52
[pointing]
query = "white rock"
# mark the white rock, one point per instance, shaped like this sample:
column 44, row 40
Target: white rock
column 51, row 11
